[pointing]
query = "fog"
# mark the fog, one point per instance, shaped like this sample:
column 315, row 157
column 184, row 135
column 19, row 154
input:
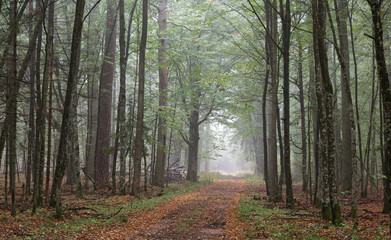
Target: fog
column 227, row 156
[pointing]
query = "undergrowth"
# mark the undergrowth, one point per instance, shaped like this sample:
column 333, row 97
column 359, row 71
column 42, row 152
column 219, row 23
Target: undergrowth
column 267, row 221
column 102, row 213
column 253, row 179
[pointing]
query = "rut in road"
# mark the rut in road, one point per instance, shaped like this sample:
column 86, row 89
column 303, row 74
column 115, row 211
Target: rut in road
column 208, row 213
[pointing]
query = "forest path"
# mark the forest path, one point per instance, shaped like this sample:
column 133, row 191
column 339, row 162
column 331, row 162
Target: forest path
column 208, row 213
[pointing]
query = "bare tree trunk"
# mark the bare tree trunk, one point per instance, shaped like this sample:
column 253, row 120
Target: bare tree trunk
column 38, row 136
column 31, row 133
column 41, row 112
column 358, row 129
column 158, row 178
column 272, row 131
column 330, row 205
column 347, row 107
column 377, row 26
column 50, row 56
column 92, row 115
column 140, row 102
column 303, row 124
column 285, row 15
column 264, row 127
column 193, row 123
column 12, row 106
column 55, row 197
column 105, row 99
column 343, row 52
column 120, row 140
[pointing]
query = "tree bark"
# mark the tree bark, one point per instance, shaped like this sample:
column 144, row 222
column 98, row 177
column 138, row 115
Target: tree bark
column 330, row 205
column 140, row 107
column 12, row 106
column 286, row 37
column 31, row 132
column 193, row 123
column 272, row 130
column 120, row 140
column 105, row 100
column 377, row 26
column 158, row 179
column 346, row 98
column 349, row 141
column 55, row 197
column 50, row 42
column 302, row 119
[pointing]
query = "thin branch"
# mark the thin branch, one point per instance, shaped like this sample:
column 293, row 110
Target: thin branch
column 207, row 115
column 93, row 7
column 263, row 25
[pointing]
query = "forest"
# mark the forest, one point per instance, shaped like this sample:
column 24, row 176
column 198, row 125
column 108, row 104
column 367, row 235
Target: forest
column 195, row 119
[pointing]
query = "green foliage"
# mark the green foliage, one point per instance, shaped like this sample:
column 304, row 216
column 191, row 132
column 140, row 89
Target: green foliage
column 210, row 176
column 253, row 179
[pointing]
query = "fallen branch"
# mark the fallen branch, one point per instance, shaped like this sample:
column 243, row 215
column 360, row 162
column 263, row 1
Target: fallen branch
column 81, row 208
column 113, row 214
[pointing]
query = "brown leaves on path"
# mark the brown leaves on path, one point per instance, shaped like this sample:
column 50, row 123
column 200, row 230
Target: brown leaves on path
column 209, row 213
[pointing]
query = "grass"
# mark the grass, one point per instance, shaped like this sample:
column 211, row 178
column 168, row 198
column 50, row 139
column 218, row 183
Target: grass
column 104, row 213
column 210, row 176
column 263, row 221
column 253, row 179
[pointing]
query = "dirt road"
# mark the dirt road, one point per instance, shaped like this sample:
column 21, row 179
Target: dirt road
column 208, row 213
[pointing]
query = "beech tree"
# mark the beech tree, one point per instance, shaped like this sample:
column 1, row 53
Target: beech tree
column 103, row 140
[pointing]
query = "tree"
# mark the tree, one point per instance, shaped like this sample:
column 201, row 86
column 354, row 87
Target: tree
column 139, row 146
column 346, row 100
column 55, row 196
column 12, row 97
column 102, row 149
column 377, row 27
column 285, row 15
column 330, row 205
column 302, row 118
column 273, row 105
column 158, row 178
column 348, row 125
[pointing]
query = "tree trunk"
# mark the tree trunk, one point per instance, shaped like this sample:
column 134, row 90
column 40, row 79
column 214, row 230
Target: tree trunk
column 12, row 106
column 272, row 130
column 105, row 100
column 140, row 104
column 377, row 26
column 302, row 118
column 92, row 123
column 121, row 131
column 285, row 15
column 346, row 99
column 41, row 116
column 193, row 143
column 38, row 127
column 158, row 179
column 358, row 129
column 55, row 197
column 31, row 132
column 50, row 56
column 330, row 205
column 349, row 148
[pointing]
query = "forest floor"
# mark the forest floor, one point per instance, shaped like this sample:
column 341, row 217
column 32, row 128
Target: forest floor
column 227, row 208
